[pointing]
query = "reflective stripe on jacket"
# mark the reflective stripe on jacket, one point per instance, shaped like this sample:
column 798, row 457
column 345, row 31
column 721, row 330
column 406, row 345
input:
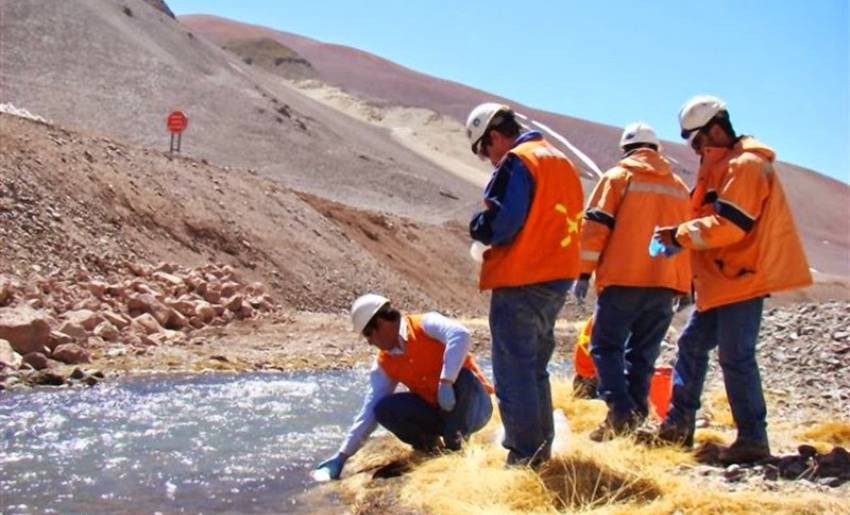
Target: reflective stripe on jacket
column 546, row 248
column 420, row 365
column 630, row 200
column 744, row 240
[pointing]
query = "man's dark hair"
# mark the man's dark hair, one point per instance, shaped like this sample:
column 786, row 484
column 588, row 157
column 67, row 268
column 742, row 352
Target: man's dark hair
column 722, row 119
column 387, row 312
column 506, row 124
column 634, row 146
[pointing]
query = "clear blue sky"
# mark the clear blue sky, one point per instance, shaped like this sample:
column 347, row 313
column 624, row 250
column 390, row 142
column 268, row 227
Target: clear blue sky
column 781, row 66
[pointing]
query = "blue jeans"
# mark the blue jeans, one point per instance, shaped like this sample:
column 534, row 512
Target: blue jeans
column 522, row 325
column 629, row 324
column 417, row 423
column 734, row 330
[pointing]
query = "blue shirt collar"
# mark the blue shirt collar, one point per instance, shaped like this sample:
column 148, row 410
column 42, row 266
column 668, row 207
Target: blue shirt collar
column 527, row 136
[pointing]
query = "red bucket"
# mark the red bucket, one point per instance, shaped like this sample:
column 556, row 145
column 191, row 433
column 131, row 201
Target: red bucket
column 660, row 391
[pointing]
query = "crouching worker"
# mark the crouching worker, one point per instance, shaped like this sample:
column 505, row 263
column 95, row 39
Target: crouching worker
column 449, row 397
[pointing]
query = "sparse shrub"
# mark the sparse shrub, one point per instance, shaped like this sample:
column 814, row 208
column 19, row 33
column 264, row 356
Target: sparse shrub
column 248, row 60
column 128, row 11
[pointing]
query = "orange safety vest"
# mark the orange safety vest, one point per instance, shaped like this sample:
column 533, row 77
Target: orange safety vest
column 420, row 365
column 630, row 200
column 546, row 248
column 582, row 359
column 743, row 238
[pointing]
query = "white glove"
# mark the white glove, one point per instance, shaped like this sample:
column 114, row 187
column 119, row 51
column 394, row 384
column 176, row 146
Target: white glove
column 477, row 250
column 446, row 396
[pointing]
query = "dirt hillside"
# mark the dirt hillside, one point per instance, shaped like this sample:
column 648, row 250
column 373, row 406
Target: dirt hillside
column 70, row 199
column 119, row 67
column 821, row 204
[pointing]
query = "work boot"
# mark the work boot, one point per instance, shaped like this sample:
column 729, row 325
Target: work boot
column 585, row 387
column 430, row 446
column 743, row 452
column 614, row 426
column 681, row 434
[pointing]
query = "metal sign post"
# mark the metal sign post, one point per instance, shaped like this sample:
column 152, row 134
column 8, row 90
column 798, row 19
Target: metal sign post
column 176, row 122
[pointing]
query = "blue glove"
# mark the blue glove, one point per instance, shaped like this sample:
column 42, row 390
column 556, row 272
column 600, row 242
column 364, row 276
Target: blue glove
column 664, row 241
column 446, row 396
column 334, row 465
column 580, row 288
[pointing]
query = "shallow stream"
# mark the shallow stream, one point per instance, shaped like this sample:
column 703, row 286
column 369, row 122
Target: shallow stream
column 175, row 444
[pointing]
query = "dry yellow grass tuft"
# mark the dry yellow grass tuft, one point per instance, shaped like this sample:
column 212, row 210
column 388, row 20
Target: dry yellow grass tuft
column 835, row 433
column 616, row 477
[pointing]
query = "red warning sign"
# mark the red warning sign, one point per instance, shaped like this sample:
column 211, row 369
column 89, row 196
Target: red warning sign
column 177, row 122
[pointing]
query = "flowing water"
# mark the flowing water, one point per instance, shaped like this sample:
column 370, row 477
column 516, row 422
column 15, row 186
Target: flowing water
column 195, row 444
column 214, row 443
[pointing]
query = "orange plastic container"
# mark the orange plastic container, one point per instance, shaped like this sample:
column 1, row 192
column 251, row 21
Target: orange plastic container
column 660, row 391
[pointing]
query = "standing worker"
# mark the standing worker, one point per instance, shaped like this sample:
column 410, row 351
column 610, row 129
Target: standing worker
column 531, row 219
column 744, row 245
column 449, row 397
column 635, row 291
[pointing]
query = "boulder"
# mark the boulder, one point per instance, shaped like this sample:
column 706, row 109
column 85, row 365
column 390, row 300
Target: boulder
column 8, row 286
column 194, row 281
column 72, row 354
column 175, row 320
column 58, row 338
column 166, row 267
column 229, row 289
column 88, row 304
column 48, row 378
column 119, row 321
column 84, row 317
column 146, row 324
column 234, row 303
column 107, row 331
column 212, row 294
column 168, row 279
column 37, row 360
column 255, row 288
column 139, row 269
column 117, row 291
column 8, row 357
column 183, row 306
column 246, row 311
column 97, row 288
column 74, row 330
column 146, row 303
column 205, row 312
column 26, row 329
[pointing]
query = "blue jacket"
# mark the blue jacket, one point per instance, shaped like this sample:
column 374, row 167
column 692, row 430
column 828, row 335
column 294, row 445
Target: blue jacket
column 508, row 197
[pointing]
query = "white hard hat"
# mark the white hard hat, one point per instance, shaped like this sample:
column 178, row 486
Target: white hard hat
column 480, row 119
column 364, row 308
column 697, row 112
column 638, row 132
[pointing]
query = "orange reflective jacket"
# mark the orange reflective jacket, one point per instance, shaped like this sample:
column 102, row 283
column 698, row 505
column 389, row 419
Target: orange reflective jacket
column 420, row 365
column 630, row 200
column 582, row 360
column 547, row 246
column 743, row 237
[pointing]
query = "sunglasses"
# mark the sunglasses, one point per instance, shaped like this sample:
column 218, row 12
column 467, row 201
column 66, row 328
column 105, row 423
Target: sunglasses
column 691, row 134
column 479, row 148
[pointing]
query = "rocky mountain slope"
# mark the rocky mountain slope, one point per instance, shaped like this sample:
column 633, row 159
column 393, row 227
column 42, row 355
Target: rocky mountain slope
column 118, row 67
column 73, row 200
column 821, row 204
